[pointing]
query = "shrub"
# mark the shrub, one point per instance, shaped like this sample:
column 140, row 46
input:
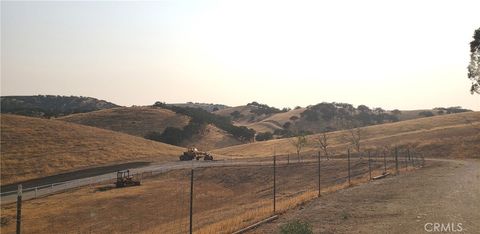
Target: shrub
column 264, row 136
column 296, row 227
column 426, row 114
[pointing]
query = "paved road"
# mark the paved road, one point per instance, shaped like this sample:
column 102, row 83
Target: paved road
column 11, row 196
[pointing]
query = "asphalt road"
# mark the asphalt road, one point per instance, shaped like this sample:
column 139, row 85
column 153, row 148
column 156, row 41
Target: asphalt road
column 44, row 186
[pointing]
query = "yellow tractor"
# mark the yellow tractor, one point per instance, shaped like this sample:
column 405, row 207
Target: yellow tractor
column 124, row 179
column 194, row 153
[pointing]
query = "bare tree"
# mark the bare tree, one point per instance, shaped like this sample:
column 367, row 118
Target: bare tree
column 299, row 142
column 323, row 142
column 356, row 135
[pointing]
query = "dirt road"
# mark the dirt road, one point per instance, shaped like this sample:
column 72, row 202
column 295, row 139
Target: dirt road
column 446, row 192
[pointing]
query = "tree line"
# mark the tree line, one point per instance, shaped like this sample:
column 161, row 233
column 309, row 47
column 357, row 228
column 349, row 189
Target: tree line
column 199, row 119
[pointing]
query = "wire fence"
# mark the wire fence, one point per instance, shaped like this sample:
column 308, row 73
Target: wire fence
column 220, row 199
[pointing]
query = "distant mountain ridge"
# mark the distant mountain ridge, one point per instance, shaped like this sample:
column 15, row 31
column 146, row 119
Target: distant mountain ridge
column 51, row 105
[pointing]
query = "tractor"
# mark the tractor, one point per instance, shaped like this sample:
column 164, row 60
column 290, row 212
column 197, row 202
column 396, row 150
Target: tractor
column 124, row 179
column 194, row 153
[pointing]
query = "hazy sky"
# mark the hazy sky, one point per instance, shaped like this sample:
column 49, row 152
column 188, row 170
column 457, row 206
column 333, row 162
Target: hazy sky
column 402, row 54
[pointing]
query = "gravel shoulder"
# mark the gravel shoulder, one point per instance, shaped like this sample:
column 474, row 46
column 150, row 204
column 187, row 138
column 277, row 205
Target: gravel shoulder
column 444, row 192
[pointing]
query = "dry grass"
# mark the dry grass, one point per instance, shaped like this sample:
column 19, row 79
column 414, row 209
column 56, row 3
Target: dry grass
column 32, row 148
column 226, row 199
column 210, row 138
column 264, row 208
column 137, row 121
column 439, row 136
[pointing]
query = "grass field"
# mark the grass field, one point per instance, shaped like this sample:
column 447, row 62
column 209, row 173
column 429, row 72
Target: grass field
column 226, row 199
column 33, row 147
column 454, row 135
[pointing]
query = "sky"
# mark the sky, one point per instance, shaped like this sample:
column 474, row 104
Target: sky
column 390, row 54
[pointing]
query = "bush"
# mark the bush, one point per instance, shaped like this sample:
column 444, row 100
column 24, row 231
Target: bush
column 264, row 136
column 426, row 114
column 296, row 227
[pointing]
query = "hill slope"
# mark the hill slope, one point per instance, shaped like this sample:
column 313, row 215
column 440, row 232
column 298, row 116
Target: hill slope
column 140, row 121
column 453, row 135
column 137, row 121
column 33, row 148
column 51, row 105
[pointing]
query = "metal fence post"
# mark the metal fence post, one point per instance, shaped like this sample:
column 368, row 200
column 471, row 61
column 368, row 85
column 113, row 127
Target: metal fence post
column 191, row 201
column 348, row 159
column 274, row 183
column 384, row 162
column 413, row 158
column 318, row 173
column 396, row 161
column 19, row 209
column 406, row 161
column 369, row 166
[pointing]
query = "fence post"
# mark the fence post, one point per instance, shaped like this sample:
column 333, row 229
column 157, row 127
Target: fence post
column 191, row 201
column 396, row 161
column 369, row 166
column 36, row 189
column 406, row 160
column 384, row 162
column 288, row 159
column 19, row 209
column 274, row 183
column 348, row 159
column 413, row 159
column 319, row 174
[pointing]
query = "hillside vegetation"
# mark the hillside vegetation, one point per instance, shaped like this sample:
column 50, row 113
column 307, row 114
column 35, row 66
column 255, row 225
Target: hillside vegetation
column 34, row 147
column 138, row 121
column 322, row 117
column 454, row 135
column 210, row 107
column 151, row 123
column 199, row 119
column 51, row 105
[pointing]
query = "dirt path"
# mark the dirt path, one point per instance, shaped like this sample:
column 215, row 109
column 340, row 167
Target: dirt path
column 445, row 192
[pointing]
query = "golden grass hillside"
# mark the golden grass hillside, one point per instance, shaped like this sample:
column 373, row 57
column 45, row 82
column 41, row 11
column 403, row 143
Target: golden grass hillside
column 454, row 135
column 211, row 138
column 276, row 121
column 137, row 121
column 246, row 118
column 33, row 148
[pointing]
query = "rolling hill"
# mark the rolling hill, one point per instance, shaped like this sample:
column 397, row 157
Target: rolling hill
column 320, row 117
column 51, row 105
column 453, row 135
column 137, row 121
column 34, row 147
column 140, row 121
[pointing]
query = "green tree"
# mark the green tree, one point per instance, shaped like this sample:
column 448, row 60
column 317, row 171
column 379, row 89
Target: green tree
column 474, row 66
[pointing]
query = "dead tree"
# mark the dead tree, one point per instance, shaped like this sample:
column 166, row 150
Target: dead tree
column 356, row 135
column 323, row 142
